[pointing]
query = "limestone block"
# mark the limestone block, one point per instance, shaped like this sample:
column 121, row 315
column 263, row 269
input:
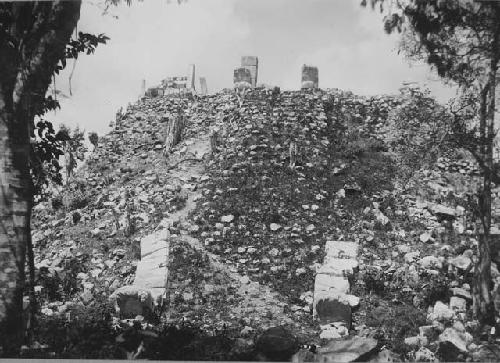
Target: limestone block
column 327, row 282
column 242, row 78
column 203, row 85
column 338, row 266
column 349, row 350
column 309, row 77
column 333, row 311
column 154, row 242
column 341, row 249
column 150, row 274
column 252, row 64
column 132, row 300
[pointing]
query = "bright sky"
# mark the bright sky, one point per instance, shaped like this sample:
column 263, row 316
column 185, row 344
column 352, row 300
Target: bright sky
column 158, row 38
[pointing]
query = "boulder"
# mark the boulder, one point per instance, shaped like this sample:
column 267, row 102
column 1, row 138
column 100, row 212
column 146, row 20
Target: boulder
column 453, row 342
column 461, row 262
column 348, row 350
column 425, row 355
column 277, row 344
column 333, row 311
column 457, row 303
column 131, row 301
column 442, row 312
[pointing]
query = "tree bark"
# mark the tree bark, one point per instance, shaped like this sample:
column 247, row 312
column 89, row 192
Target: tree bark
column 32, row 41
column 483, row 302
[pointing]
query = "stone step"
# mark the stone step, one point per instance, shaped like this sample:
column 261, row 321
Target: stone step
column 151, row 277
column 332, row 302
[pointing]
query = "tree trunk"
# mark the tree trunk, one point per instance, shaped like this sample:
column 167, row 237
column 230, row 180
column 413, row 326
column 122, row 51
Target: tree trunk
column 15, row 211
column 483, row 302
column 32, row 41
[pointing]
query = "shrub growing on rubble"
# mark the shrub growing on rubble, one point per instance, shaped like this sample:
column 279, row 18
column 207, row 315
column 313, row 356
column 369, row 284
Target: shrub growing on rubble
column 419, row 130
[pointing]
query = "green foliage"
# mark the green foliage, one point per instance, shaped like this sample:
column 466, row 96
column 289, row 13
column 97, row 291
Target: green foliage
column 44, row 157
column 93, row 138
column 395, row 323
column 73, row 146
column 420, row 130
column 86, row 333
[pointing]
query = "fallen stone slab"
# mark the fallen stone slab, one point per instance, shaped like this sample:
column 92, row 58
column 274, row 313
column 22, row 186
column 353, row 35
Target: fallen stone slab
column 349, row 350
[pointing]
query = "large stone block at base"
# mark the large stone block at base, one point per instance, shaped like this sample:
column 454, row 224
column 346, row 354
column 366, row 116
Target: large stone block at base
column 333, row 311
column 132, row 300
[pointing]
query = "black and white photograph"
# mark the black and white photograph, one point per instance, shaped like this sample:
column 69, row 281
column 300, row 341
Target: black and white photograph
column 250, row 180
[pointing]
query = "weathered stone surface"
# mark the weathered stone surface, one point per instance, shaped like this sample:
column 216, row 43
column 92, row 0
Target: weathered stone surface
column 132, row 300
column 242, row 78
column 441, row 312
column 326, row 282
column 458, row 303
column 461, row 262
column 155, row 242
column 252, row 64
column 203, row 86
column 309, row 77
column 331, row 310
column 338, row 266
column 341, row 249
column 150, row 275
column 348, row 350
column 459, row 339
column 443, row 212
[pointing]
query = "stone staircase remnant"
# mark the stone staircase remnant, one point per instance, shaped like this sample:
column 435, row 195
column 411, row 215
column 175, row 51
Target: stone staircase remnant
column 150, row 284
column 332, row 301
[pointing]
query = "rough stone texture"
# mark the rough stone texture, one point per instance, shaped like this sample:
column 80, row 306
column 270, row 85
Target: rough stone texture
column 242, row 78
column 309, row 77
column 349, row 350
column 332, row 283
column 332, row 304
column 175, row 127
column 341, row 249
column 155, row 242
column 252, row 64
column 203, row 86
column 332, row 310
column 132, row 300
column 338, row 266
column 191, row 77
